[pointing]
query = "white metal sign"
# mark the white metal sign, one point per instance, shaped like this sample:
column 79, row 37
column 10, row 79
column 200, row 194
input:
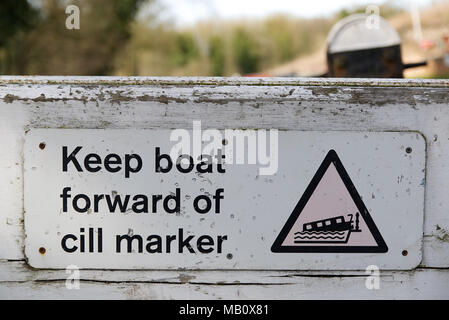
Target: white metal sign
column 230, row 199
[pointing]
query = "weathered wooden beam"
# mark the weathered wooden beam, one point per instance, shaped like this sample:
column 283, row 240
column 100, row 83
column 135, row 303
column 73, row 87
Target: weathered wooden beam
column 285, row 104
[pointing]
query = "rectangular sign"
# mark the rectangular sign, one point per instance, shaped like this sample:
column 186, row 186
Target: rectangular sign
column 228, row 199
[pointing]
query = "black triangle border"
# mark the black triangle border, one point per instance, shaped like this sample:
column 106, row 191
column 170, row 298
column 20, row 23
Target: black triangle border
column 331, row 158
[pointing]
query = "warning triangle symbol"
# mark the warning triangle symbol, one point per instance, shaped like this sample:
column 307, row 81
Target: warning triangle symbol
column 330, row 216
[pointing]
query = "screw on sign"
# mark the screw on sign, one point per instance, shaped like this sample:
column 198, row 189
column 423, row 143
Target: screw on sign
column 118, row 197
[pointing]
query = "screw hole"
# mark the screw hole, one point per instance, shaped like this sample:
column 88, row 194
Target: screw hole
column 408, row 150
column 224, row 142
column 42, row 250
column 229, row 256
column 42, row 145
column 404, row 252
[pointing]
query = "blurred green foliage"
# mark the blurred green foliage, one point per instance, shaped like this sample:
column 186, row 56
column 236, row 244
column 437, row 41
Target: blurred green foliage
column 113, row 41
column 41, row 43
column 185, row 49
column 15, row 15
column 278, row 30
column 245, row 52
column 221, row 48
column 217, row 56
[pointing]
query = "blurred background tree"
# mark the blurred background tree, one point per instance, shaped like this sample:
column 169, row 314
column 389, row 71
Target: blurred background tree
column 217, row 56
column 43, row 45
column 16, row 17
column 245, row 51
column 185, row 49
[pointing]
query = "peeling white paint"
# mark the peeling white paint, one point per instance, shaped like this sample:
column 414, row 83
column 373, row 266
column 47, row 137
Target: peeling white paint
column 153, row 103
